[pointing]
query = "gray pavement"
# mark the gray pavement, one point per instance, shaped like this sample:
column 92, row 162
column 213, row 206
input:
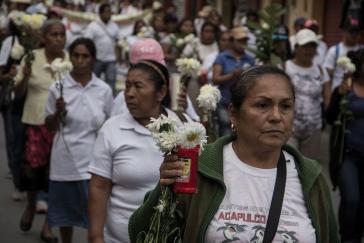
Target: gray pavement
column 10, row 211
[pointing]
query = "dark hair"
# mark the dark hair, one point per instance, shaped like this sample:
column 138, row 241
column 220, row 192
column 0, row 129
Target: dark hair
column 169, row 18
column 155, row 76
column 88, row 43
column 215, row 28
column 240, row 89
column 136, row 24
column 103, row 7
column 357, row 58
column 185, row 19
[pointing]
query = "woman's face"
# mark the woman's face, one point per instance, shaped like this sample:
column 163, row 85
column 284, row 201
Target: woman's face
column 55, row 38
column 208, row 35
column 265, row 118
column 141, row 97
column 225, row 41
column 187, row 27
column 158, row 24
column 81, row 59
column 306, row 53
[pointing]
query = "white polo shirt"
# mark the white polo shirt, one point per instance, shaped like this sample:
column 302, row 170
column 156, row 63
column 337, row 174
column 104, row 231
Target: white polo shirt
column 87, row 109
column 126, row 154
column 105, row 37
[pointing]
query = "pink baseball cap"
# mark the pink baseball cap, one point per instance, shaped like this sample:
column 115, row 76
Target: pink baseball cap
column 147, row 49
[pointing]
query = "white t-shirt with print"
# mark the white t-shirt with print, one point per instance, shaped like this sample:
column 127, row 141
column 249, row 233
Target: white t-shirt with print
column 308, row 83
column 331, row 59
column 243, row 213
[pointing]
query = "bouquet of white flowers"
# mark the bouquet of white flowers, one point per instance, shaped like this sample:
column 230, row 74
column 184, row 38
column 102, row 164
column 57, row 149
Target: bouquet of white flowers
column 207, row 100
column 28, row 24
column 59, row 69
column 164, row 224
column 188, row 68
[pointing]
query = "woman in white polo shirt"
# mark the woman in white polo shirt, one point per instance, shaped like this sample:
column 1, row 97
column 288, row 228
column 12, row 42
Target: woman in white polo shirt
column 126, row 159
column 86, row 103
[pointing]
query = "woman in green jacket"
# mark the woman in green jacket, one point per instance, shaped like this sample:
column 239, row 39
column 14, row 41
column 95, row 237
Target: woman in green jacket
column 251, row 186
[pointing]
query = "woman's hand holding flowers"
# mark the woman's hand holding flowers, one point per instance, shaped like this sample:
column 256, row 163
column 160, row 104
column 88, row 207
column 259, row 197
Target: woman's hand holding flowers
column 60, row 106
column 170, row 170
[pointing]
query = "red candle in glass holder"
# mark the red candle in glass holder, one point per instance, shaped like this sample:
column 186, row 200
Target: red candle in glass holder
column 187, row 183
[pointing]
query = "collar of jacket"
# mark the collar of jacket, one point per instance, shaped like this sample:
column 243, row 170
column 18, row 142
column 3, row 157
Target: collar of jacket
column 211, row 165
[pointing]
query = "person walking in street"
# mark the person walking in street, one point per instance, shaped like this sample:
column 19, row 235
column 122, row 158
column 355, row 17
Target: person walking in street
column 33, row 83
column 104, row 33
column 76, row 118
column 240, row 176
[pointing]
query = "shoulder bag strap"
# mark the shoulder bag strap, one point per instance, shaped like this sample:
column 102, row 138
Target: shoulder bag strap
column 104, row 28
column 277, row 201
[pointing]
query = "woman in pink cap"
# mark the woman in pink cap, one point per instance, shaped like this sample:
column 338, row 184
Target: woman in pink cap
column 150, row 49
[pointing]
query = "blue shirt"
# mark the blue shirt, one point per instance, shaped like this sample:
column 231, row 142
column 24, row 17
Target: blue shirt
column 229, row 63
column 355, row 139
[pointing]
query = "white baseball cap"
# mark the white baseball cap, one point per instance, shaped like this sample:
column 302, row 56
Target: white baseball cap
column 306, row 36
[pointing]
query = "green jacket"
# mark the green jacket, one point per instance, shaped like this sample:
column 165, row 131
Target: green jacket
column 199, row 209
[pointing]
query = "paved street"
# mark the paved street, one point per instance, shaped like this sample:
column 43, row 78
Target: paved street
column 10, row 211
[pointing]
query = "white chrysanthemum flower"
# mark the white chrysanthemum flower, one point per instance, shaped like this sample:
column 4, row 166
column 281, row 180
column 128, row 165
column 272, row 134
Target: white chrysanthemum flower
column 60, row 67
column 209, row 97
column 191, row 135
column 16, row 17
column 157, row 5
column 350, row 68
column 146, row 32
column 162, row 124
column 343, row 61
column 180, row 42
column 346, row 64
column 37, row 21
column 189, row 38
column 166, row 141
column 161, row 206
column 188, row 66
column 17, row 51
column 27, row 19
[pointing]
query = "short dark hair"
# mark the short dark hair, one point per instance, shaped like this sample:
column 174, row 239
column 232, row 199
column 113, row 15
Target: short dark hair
column 88, row 43
column 247, row 79
column 155, row 76
column 103, row 7
column 214, row 26
column 357, row 58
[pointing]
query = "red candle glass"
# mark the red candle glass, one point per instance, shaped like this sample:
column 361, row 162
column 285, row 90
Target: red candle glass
column 187, row 183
